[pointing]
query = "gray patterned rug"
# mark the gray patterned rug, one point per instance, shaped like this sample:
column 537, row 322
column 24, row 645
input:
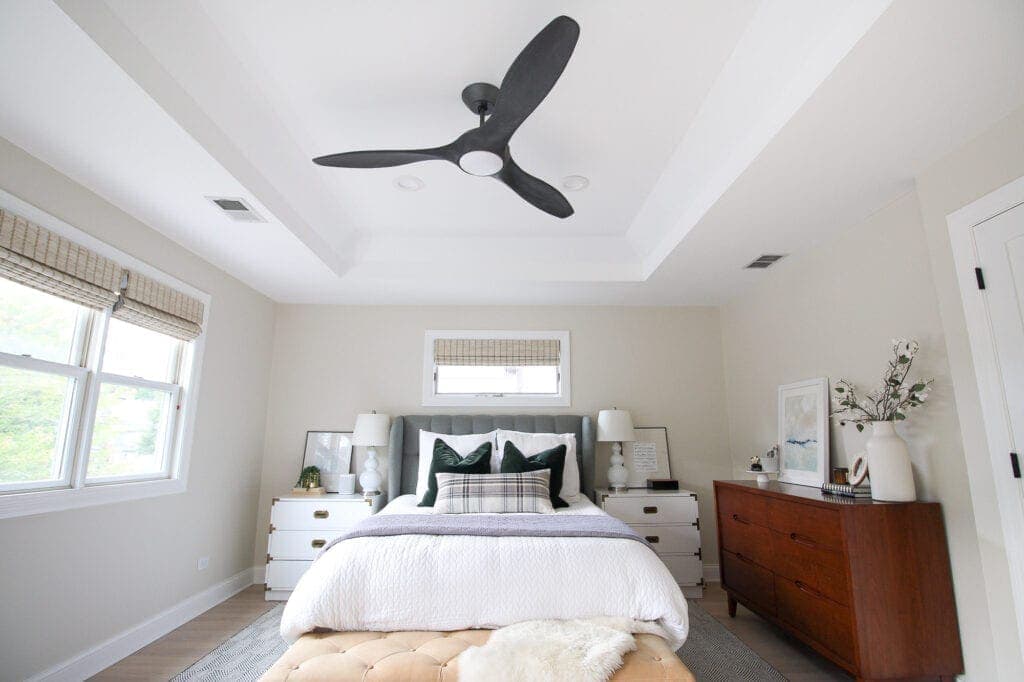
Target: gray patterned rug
column 711, row 653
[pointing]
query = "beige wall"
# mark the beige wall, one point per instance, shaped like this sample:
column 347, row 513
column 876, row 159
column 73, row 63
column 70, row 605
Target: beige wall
column 663, row 364
column 72, row 579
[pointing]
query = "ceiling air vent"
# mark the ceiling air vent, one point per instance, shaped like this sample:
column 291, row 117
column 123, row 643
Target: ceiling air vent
column 762, row 262
column 237, row 209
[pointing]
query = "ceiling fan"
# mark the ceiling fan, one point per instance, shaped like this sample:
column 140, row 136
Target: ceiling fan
column 484, row 151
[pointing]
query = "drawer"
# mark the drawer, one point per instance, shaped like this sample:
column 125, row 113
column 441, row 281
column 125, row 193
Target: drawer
column 824, row 621
column 755, row 584
column 685, row 568
column 284, row 575
column 671, row 539
column 746, row 539
column 650, row 509
column 736, row 504
column 805, row 524
column 317, row 514
column 300, row 544
column 822, row 569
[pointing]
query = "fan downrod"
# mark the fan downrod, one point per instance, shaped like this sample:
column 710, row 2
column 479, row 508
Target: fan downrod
column 480, row 98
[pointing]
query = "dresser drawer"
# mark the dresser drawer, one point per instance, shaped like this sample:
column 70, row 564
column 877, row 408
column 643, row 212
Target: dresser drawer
column 744, row 538
column 741, row 506
column 685, row 568
column 670, row 539
column 652, row 509
column 317, row 514
column 822, row 569
column 300, row 544
column 754, row 583
column 284, row 575
column 811, row 613
column 810, row 526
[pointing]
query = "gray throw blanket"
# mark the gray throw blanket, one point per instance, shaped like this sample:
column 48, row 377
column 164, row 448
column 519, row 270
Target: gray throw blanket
column 493, row 525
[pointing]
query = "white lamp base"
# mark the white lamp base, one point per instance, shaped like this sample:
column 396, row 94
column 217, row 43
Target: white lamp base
column 618, row 475
column 370, row 479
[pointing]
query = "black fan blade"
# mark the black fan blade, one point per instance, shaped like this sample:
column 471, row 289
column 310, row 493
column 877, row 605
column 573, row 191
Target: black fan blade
column 534, row 190
column 383, row 158
column 531, row 77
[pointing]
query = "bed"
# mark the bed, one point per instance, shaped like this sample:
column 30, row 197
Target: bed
column 404, row 606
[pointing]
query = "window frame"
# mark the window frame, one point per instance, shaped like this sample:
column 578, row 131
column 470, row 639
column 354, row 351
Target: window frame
column 433, row 399
column 75, row 490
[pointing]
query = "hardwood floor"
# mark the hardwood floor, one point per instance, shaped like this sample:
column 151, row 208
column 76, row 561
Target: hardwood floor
column 177, row 650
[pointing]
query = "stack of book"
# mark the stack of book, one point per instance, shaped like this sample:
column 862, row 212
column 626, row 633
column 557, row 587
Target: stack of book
column 847, row 490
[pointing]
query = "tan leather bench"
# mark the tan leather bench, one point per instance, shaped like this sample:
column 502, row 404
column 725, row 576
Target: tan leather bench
column 433, row 657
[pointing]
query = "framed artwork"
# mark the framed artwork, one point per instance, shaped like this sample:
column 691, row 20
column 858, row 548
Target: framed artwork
column 331, row 452
column 803, row 432
column 647, row 456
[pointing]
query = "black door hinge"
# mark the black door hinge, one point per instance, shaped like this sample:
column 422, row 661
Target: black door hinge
column 978, row 275
column 1015, row 464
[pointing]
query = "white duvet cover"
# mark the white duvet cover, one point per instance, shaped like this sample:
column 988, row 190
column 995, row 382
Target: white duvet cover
column 428, row 582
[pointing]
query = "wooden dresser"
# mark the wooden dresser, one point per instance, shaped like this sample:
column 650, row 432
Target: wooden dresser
column 866, row 584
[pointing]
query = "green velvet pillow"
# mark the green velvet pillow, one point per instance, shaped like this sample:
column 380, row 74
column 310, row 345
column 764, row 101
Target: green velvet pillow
column 447, row 461
column 515, row 462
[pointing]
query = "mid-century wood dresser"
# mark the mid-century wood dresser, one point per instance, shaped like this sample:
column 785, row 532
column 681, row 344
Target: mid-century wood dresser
column 866, row 584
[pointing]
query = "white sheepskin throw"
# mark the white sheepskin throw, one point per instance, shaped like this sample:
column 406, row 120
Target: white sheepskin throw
column 550, row 651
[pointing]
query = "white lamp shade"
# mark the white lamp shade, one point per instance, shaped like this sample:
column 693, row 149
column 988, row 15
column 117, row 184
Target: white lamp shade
column 371, row 429
column 615, row 426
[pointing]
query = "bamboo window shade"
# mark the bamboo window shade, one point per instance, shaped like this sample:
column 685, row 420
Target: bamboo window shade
column 497, row 352
column 36, row 257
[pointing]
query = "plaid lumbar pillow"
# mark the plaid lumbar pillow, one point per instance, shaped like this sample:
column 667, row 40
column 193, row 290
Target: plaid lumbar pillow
column 494, row 493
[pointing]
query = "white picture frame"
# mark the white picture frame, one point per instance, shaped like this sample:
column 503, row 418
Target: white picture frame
column 651, row 440
column 803, row 414
column 331, row 452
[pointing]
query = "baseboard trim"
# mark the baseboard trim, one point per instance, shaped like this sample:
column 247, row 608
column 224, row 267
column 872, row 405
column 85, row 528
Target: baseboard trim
column 105, row 654
column 259, row 574
column 712, row 574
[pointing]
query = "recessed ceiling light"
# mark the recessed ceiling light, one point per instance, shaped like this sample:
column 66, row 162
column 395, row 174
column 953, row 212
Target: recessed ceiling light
column 574, row 183
column 409, row 183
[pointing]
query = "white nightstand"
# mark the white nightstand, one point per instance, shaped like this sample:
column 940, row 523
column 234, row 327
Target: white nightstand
column 669, row 520
column 300, row 526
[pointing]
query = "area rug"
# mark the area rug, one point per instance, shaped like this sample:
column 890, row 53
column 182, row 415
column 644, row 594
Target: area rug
column 711, row 653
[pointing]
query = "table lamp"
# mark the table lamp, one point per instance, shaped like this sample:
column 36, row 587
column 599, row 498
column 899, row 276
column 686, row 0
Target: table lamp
column 371, row 430
column 616, row 426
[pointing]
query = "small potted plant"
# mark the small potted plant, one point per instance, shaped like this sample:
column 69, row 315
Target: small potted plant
column 887, row 459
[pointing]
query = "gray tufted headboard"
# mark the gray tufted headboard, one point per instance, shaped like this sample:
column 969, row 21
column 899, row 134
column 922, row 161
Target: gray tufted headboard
column 404, row 445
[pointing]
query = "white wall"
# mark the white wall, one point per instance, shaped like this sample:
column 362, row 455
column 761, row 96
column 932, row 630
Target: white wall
column 663, row 364
column 72, row 579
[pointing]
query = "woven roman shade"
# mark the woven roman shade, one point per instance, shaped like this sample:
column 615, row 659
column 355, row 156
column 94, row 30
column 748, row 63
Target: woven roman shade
column 150, row 304
column 34, row 256
column 497, row 352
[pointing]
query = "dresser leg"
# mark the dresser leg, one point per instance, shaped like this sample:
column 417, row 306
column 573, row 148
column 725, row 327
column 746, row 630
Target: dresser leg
column 732, row 607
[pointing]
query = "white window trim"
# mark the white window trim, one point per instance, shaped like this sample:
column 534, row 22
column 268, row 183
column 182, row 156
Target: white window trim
column 431, row 399
column 175, row 480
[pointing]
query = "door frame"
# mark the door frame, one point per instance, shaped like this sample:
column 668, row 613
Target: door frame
column 988, row 377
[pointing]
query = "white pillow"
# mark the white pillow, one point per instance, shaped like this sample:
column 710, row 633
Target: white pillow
column 532, row 443
column 460, row 444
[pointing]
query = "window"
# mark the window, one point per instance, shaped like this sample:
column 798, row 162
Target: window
column 495, row 368
column 95, row 405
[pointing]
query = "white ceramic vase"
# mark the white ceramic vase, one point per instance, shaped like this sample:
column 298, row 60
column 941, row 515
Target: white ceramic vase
column 887, row 463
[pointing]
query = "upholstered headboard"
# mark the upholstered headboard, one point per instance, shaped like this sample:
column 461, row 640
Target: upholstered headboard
column 404, row 445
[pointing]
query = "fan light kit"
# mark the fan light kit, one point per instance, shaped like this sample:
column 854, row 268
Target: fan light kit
column 574, row 183
column 483, row 151
column 409, row 183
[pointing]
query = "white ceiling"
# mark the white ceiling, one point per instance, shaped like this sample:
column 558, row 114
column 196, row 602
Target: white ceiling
column 711, row 133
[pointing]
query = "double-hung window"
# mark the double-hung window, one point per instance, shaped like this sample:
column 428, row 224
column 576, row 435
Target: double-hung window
column 97, row 361
column 496, row 368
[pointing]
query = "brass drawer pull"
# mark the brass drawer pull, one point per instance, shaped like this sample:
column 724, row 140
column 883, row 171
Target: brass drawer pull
column 650, row 510
column 804, row 587
column 321, row 514
column 317, row 544
column 739, row 519
column 652, row 539
column 801, row 540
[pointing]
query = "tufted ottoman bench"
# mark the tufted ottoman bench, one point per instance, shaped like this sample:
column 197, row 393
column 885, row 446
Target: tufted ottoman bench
column 433, row 657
